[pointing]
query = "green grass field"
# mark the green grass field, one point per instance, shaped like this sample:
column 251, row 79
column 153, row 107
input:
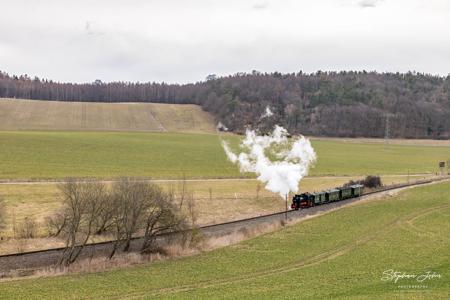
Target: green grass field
column 110, row 154
column 25, row 154
column 351, row 158
column 87, row 116
column 342, row 254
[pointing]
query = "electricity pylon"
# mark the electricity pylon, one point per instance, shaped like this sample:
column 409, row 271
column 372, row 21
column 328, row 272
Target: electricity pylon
column 387, row 129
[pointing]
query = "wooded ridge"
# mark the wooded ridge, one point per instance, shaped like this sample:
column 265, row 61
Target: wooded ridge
column 345, row 104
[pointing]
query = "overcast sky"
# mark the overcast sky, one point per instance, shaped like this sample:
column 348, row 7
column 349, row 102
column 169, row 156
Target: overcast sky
column 184, row 41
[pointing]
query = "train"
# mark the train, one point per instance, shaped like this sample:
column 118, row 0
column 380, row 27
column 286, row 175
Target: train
column 307, row 200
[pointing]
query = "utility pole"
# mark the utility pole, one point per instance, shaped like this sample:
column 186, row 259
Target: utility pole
column 285, row 214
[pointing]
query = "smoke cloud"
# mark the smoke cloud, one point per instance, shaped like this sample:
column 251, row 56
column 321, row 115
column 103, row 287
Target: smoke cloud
column 278, row 162
column 221, row 127
column 267, row 113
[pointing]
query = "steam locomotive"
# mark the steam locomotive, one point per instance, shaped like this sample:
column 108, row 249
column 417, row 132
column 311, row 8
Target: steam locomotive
column 307, row 200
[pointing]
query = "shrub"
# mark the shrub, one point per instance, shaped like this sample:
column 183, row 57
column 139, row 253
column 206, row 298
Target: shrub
column 27, row 229
column 368, row 182
column 372, row 182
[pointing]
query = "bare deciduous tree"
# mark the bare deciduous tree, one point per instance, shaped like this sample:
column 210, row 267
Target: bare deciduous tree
column 144, row 207
column 129, row 198
column 56, row 223
column 182, row 190
column 192, row 210
column 162, row 216
column 104, row 220
column 27, row 229
column 82, row 204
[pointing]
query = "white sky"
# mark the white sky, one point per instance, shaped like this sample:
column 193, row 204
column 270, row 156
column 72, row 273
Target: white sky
column 183, row 41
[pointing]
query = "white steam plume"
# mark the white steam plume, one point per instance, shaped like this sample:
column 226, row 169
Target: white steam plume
column 289, row 164
column 221, row 127
column 267, row 113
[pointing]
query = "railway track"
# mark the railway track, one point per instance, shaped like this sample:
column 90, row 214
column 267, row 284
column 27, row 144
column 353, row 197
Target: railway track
column 26, row 262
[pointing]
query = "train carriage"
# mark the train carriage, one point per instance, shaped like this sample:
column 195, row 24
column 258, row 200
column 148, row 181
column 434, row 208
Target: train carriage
column 319, row 198
column 357, row 190
column 345, row 193
column 332, row 195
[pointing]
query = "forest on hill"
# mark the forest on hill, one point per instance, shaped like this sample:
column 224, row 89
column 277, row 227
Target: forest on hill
column 341, row 104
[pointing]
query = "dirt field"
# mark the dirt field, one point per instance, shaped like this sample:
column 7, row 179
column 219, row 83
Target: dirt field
column 87, row 116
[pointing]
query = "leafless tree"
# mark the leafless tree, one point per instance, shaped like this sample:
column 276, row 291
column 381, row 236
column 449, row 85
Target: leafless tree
column 162, row 216
column 27, row 229
column 82, row 202
column 130, row 202
column 56, row 223
column 104, row 221
column 143, row 207
column 192, row 210
column 182, row 190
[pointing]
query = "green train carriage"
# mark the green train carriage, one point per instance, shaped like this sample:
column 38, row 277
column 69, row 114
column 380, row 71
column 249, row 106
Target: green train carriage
column 332, row 195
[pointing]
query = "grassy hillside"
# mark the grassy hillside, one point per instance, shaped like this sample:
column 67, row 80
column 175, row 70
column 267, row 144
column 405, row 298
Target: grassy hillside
column 170, row 155
column 89, row 116
column 342, row 254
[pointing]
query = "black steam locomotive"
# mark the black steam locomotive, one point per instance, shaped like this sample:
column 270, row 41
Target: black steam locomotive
column 307, row 200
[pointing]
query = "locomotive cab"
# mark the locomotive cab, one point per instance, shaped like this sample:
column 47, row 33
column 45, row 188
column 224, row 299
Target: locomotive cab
column 304, row 200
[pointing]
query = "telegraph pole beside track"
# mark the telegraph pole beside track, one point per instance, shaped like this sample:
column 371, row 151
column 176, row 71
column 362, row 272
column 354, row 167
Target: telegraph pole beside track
column 285, row 215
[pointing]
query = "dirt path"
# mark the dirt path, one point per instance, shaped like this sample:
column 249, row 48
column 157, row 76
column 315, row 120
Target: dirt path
column 56, row 181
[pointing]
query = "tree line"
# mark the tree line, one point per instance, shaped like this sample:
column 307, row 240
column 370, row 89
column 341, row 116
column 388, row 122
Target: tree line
column 350, row 104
